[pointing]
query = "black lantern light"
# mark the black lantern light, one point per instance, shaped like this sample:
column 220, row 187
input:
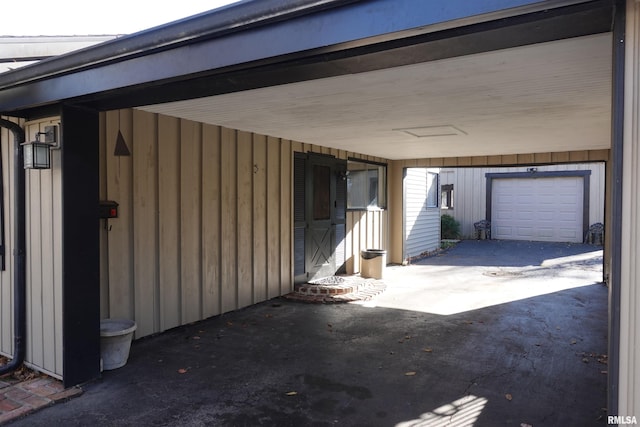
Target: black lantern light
column 37, row 154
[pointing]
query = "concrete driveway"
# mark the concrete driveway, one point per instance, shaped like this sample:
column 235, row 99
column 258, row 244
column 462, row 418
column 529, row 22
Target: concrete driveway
column 488, row 334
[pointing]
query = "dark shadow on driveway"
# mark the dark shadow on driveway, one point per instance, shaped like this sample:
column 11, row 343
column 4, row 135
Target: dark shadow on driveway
column 538, row 360
column 348, row 365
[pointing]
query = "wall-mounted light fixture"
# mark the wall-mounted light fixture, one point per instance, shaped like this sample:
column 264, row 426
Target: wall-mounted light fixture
column 343, row 174
column 37, row 154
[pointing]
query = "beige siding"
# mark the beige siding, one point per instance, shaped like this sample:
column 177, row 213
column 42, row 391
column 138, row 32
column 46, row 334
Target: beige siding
column 205, row 219
column 44, row 261
column 119, row 232
column 43, row 258
column 365, row 230
column 470, row 190
column 629, row 375
column 6, row 277
column 168, row 222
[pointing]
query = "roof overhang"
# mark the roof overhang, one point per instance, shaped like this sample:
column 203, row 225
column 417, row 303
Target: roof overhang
column 379, row 77
column 262, row 43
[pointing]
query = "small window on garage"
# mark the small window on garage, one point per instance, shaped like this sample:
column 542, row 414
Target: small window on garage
column 446, row 199
column 432, row 190
column 366, row 185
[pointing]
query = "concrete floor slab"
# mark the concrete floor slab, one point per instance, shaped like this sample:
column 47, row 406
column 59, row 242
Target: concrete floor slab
column 487, row 334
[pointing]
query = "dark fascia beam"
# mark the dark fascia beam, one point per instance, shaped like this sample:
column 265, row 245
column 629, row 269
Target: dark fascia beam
column 216, row 23
column 506, row 33
column 236, row 39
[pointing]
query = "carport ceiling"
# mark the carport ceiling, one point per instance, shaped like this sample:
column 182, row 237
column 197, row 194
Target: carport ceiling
column 546, row 97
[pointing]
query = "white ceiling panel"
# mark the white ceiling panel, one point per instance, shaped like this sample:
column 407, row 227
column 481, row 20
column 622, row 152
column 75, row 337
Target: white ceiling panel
column 541, row 98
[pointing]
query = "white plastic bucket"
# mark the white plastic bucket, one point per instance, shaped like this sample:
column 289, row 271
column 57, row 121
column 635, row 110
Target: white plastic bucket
column 115, row 342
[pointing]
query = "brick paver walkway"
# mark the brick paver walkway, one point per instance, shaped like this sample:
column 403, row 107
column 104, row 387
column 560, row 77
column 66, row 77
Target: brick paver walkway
column 20, row 398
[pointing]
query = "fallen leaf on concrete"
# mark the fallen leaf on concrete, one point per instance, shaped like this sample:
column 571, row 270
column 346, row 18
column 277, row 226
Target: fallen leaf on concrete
column 428, row 350
column 508, row 397
column 196, row 337
column 292, row 393
column 573, row 341
column 468, row 322
column 268, row 316
column 409, row 374
column 182, row 371
column 408, row 337
column 229, row 323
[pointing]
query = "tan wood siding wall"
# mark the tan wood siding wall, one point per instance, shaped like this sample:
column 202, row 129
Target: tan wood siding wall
column 469, row 191
column 205, row 219
column 43, row 258
column 365, row 230
column 6, row 277
column 629, row 360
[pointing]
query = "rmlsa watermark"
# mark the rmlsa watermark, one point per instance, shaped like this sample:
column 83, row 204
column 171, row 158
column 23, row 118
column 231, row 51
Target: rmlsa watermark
column 622, row 420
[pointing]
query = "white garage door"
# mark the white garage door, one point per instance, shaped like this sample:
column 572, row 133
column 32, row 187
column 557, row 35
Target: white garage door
column 542, row 209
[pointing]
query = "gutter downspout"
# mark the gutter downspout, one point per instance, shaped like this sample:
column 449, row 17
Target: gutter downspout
column 19, row 245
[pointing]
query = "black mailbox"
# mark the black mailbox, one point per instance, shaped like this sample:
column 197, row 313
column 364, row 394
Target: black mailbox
column 108, row 209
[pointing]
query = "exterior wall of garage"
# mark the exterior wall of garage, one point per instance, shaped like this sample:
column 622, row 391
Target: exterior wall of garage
column 421, row 216
column 397, row 167
column 43, row 257
column 470, row 191
column 205, row 219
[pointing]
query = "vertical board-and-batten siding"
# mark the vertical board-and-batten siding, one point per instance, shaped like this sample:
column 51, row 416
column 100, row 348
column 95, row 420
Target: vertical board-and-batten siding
column 43, row 257
column 6, row 276
column 205, row 219
column 629, row 348
column 469, row 191
column 421, row 222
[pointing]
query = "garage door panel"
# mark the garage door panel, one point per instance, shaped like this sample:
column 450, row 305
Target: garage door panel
column 569, row 234
column 525, row 233
column 543, row 209
column 546, row 199
column 526, row 216
column 546, row 233
column 523, row 199
column 504, row 215
column 505, row 199
column 546, row 215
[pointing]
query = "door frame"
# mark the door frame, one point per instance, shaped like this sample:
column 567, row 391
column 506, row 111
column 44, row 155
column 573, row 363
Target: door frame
column 303, row 214
column 584, row 174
